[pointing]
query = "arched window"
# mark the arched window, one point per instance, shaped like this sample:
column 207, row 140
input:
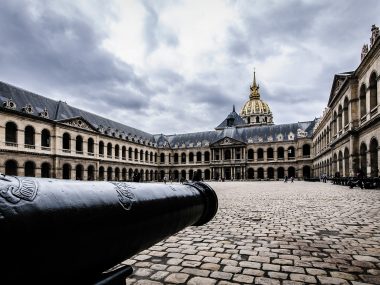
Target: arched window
column 117, row 151
column 199, row 156
column 280, row 153
column 101, row 173
column 90, row 146
column 79, row 172
column 260, row 154
column 30, row 169
column 373, row 90
column 250, row 155
column 11, row 133
column 66, row 171
column 191, row 157
column 91, row 173
column 124, row 153
column 141, row 155
column 345, row 111
column 176, row 158
column 101, row 148
column 130, row 151
column 270, row 153
column 66, row 143
column 151, row 158
column 363, row 158
column 109, row 150
column 162, row 158
column 45, row 170
column 79, row 145
column 373, row 149
column 363, row 104
column 136, row 154
column 45, row 138
column 257, row 120
column 183, row 157
column 11, row 168
column 109, row 174
column 183, row 174
column 207, row 156
column 291, row 152
column 340, row 113
column 146, row 156
column 29, row 136
column 306, row 150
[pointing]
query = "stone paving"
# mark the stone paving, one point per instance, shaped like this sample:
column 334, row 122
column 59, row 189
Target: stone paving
column 273, row 233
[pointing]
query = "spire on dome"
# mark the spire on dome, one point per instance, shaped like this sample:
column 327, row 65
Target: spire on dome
column 233, row 108
column 254, row 88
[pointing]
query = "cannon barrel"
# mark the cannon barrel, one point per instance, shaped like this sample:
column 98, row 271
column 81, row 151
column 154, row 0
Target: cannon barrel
column 69, row 232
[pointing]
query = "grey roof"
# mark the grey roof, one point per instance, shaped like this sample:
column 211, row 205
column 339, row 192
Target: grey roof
column 59, row 110
column 237, row 120
column 249, row 134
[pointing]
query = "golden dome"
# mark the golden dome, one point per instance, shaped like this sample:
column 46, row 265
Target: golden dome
column 256, row 107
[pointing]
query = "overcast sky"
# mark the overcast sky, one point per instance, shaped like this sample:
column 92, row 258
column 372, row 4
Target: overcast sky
column 179, row 66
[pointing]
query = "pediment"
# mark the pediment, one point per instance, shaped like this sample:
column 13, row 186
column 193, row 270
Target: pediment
column 227, row 141
column 80, row 123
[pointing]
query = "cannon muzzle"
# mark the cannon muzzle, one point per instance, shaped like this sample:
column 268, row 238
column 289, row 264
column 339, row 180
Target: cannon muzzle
column 69, row 232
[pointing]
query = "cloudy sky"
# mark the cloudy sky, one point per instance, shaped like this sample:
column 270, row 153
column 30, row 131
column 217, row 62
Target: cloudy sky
column 179, row 66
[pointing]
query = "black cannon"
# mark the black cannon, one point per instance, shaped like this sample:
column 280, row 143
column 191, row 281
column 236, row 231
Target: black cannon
column 71, row 232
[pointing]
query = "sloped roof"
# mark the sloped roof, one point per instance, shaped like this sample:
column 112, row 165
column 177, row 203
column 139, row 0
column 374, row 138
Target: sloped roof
column 59, row 110
column 339, row 81
column 237, row 120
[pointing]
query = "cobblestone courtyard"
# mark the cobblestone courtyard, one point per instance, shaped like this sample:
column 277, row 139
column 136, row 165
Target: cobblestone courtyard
column 273, row 233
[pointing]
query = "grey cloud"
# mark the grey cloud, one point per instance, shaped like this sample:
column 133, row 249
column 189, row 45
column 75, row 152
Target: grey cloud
column 154, row 33
column 56, row 52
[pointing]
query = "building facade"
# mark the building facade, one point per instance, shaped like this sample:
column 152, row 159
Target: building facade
column 46, row 138
column 345, row 139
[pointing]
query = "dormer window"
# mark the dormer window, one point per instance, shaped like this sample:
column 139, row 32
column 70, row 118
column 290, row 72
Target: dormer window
column 27, row 109
column 9, row 104
column 44, row 113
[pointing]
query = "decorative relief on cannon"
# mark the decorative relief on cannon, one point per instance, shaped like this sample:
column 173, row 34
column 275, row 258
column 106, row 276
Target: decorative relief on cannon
column 14, row 189
column 125, row 195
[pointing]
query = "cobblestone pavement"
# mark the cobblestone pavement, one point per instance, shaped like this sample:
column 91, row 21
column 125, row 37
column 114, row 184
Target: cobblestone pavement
column 273, row 233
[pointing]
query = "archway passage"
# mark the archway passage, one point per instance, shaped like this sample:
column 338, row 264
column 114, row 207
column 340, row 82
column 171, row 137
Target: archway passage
column 11, row 168
column 227, row 173
column 45, row 170
column 280, row 173
column 250, row 173
column 207, row 174
column 260, row 173
column 79, row 172
column 306, row 171
column 291, row 172
column 270, row 173
column 30, row 169
column 373, row 149
column 66, row 171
